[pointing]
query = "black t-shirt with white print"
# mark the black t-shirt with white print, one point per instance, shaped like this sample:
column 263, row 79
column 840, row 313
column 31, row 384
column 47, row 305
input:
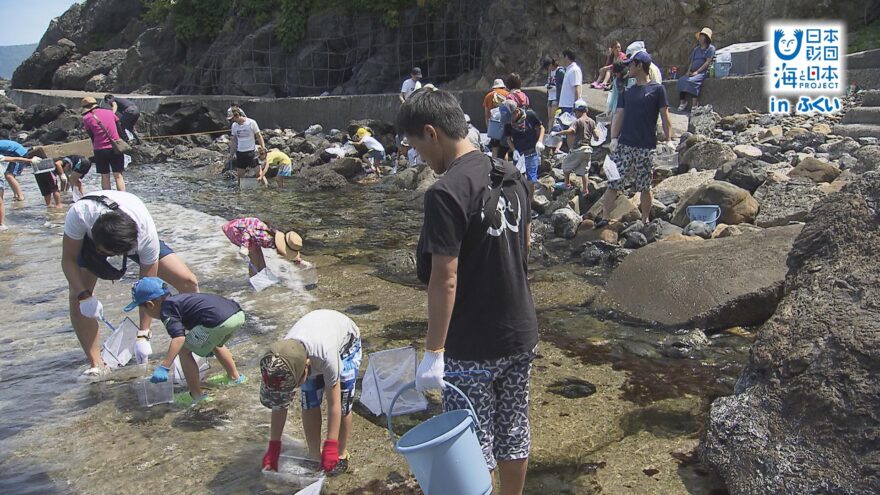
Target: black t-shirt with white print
column 494, row 314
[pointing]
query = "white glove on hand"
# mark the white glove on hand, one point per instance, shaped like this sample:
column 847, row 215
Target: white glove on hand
column 613, row 145
column 92, row 308
column 554, row 133
column 539, row 148
column 35, row 160
column 142, row 350
column 430, row 373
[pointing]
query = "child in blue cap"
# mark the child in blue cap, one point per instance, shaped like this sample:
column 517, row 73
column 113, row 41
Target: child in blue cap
column 198, row 323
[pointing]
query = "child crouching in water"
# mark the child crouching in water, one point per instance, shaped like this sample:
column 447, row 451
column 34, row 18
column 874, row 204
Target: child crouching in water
column 322, row 354
column 198, row 323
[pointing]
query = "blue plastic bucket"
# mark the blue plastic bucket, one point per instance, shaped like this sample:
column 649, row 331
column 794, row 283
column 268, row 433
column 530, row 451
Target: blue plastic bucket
column 708, row 214
column 444, row 453
column 495, row 129
column 722, row 69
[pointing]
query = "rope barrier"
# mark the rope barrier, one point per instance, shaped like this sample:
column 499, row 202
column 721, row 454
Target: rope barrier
column 167, row 136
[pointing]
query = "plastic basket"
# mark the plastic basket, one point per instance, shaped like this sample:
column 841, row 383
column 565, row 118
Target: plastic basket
column 387, row 372
column 722, row 69
column 708, row 214
column 150, row 394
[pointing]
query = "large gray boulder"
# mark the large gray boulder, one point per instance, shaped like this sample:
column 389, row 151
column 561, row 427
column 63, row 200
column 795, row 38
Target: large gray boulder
column 787, row 201
column 711, row 284
column 75, row 75
column 707, row 155
column 868, row 159
column 746, row 173
column 319, row 178
column 36, row 72
column 737, row 205
column 805, row 414
column 565, row 222
column 815, row 169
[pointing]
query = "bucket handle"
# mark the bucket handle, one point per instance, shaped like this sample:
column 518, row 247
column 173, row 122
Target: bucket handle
column 413, row 385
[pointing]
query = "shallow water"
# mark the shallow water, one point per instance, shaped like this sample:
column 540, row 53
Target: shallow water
column 61, row 436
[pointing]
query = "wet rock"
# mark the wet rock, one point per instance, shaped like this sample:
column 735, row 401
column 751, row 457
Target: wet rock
column 75, row 75
column 784, row 202
column 635, row 240
column 399, row 265
column 737, row 205
column 746, row 173
column 601, row 253
column 707, row 155
column 320, row 178
column 710, row 284
column 349, row 167
column 817, row 355
column 698, row 229
column 565, row 222
column 572, row 388
column 703, row 120
column 403, row 180
column 816, row 170
column 39, row 115
column 688, row 344
column 868, row 158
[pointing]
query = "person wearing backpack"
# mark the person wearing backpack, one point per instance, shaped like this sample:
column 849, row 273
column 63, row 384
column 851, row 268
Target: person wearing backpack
column 514, row 85
column 101, row 126
column 473, row 255
column 491, row 103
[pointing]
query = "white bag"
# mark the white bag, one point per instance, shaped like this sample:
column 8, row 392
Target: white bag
column 566, row 119
column 387, row 373
column 520, row 161
column 611, row 172
column 118, row 348
column 602, row 131
column 313, row 489
column 263, row 280
column 179, row 379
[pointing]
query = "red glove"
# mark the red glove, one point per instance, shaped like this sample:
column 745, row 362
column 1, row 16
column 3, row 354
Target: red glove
column 330, row 455
column 270, row 458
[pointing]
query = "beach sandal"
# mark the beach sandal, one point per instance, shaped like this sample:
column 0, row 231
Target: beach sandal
column 341, row 466
column 187, row 400
column 222, row 379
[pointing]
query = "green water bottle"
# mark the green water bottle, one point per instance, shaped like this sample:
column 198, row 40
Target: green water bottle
column 712, row 71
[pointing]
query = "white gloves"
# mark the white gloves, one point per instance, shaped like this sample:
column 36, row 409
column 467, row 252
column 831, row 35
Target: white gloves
column 613, row 145
column 539, row 147
column 430, row 373
column 35, row 160
column 142, row 350
column 554, row 133
column 92, row 308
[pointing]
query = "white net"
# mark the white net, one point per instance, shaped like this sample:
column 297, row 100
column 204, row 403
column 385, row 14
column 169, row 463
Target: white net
column 387, row 373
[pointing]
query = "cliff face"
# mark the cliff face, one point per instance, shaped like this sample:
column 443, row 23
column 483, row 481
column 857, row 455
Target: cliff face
column 348, row 54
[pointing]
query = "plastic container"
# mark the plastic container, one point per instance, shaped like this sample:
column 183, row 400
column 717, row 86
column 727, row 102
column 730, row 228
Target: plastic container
column 708, row 214
column 308, row 273
column 722, row 69
column 443, row 452
column 150, row 394
column 666, row 160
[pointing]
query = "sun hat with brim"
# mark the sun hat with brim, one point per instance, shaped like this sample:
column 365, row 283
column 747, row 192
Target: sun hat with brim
column 642, row 56
column 147, row 289
column 88, row 103
column 288, row 244
column 498, row 83
column 707, row 32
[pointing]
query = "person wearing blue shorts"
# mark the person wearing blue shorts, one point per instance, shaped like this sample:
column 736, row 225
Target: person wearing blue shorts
column 525, row 134
column 14, row 168
column 321, row 353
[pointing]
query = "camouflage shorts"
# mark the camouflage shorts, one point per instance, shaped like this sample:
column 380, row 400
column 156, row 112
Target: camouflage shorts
column 279, row 385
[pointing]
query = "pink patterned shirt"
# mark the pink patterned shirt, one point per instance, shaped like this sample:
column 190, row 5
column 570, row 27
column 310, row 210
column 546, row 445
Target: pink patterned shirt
column 245, row 232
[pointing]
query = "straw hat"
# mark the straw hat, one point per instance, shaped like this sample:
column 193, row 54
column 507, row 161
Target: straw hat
column 288, row 244
column 707, row 32
column 87, row 104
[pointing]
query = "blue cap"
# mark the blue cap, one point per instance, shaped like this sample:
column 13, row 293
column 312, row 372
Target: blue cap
column 641, row 56
column 147, row 289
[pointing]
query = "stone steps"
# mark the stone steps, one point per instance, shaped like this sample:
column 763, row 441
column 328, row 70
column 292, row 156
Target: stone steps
column 857, row 131
column 871, row 99
column 862, row 115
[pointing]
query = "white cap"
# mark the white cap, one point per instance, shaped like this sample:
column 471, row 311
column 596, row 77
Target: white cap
column 580, row 104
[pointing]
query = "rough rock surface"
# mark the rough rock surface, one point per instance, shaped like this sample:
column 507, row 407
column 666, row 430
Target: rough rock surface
column 75, row 75
column 707, row 155
column 746, row 173
column 815, row 169
column 805, row 413
column 565, row 222
column 37, row 71
column 787, row 201
column 318, row 178
column 868, row 159
column 710, row 284
column 737, row 205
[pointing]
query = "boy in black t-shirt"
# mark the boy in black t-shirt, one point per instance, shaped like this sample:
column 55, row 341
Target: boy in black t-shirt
column 472, row 253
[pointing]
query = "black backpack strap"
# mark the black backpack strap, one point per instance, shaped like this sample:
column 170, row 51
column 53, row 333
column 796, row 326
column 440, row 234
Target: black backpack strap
column 104, row 200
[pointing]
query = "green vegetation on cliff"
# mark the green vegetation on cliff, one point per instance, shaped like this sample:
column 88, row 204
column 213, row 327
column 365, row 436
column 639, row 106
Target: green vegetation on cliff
column 203, row 20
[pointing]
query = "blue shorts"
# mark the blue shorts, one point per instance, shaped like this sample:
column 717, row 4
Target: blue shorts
column 533, row 162
column 377, row 155
column 313, row 388
column 164, row 250
column 14, row 168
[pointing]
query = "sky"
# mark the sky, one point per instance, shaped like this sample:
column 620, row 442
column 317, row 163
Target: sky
column 27, row 20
